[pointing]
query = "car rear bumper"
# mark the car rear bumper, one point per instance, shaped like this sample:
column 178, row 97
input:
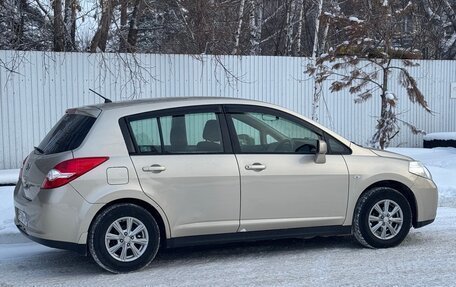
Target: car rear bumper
column 79, row 248
column 54, row 217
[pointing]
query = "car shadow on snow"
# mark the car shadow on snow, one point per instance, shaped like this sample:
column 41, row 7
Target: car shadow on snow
column 272, row 248
column 60, row 262
column 66, row 262
column 248, row 250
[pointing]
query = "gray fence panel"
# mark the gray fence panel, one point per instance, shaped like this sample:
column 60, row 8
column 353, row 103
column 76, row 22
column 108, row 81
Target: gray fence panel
column 44, row 84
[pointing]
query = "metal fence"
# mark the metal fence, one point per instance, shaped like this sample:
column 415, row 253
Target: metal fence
column 37, row 87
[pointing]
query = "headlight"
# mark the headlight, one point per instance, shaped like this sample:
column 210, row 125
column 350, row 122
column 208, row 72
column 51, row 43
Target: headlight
column 419, row 169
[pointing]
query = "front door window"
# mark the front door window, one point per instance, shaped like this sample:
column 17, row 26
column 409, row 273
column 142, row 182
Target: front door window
column 268, row 133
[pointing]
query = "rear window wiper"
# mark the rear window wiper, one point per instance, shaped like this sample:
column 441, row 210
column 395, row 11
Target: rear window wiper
column 39, row 150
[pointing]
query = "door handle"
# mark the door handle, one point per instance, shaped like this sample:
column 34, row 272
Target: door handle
column 154, row 168
column 256, row 167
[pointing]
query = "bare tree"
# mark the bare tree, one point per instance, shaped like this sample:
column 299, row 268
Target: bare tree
column 300, row 27
column 317, row 29
column 255, row 26
column 372, row 38
column 290, row 18
column 123, row 33
column 237, row 36
column 59, row 26
column 241, row 27
column 133, row 26
column 70, row 11
column 100, row 38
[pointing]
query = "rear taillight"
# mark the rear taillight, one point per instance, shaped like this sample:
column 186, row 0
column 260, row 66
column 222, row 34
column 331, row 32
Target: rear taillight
column 69, row 170
column 22, row 167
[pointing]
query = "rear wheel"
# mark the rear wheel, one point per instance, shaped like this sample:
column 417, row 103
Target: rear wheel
column 382, row 219
column 124, row 238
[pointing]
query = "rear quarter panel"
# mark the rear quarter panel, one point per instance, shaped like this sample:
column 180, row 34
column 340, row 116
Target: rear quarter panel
column 105, row 139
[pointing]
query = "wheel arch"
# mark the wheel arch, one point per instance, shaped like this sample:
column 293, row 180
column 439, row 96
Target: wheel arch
column 151, row 209
column 401, row 188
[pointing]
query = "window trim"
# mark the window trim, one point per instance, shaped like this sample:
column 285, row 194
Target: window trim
column 133, row 147
column 239, row 108
column 127, row 135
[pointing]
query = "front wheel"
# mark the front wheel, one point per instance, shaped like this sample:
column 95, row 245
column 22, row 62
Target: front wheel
column 382, row 218
column 124, row 238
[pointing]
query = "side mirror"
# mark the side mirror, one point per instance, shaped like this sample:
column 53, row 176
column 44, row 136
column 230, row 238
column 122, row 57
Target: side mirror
column 322, row 149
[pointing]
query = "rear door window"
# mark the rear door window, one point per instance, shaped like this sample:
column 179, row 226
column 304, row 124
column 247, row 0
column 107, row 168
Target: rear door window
column 177, row 133
column 67, row 134
column 146, row 135
column 192, row 133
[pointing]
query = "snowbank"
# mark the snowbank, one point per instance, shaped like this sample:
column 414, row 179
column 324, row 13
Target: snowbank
column 9, row 176
column 440, row 136
column 8, row 231
column 441, row 162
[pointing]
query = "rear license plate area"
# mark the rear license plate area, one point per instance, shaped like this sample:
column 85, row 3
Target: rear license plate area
column 22, row 217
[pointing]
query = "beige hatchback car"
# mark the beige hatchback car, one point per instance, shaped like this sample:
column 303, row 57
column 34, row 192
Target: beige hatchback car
column 120, row 180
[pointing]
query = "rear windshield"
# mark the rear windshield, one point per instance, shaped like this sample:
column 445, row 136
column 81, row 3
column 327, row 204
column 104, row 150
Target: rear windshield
column 67, row 134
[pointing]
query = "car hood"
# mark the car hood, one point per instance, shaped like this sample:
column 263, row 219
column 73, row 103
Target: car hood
column 384, row 153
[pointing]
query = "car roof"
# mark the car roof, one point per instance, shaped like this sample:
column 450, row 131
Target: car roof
column 124, row 108
column 177, row 101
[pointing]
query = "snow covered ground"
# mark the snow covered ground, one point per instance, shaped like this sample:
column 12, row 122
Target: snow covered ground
column 426, row 258
column 441, row 162
column 8, row 231
column 9, row 176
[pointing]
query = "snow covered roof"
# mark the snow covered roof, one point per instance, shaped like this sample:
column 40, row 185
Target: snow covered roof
column 440, row 136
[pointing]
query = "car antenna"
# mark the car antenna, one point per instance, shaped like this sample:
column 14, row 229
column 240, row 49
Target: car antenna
column 106, row 100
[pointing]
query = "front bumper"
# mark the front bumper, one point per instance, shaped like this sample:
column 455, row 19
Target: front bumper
column 54, row 217
column 420, row 224
column 427, row 196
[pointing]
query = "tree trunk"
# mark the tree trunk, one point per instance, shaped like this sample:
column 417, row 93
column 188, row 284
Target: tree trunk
column 317, row 85
column 73, row 25
column 100, row 38
column 70, row 25
column 239, row 28
column 317, row 29
column 133, row 28
column 59, row 30
column 255, row 19
column 383, row 122
column 300, row 25
column 18, row 26
column 123, row 35
column 450, row 52
column 449, row 12
column 290, row 28
column 324, row 38
column 259, row 14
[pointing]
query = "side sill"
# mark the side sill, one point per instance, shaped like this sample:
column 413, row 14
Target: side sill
column 79, row 248
column 420, row 224
column 258, row 235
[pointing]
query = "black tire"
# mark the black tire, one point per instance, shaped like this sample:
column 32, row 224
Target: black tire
column 99, row 228
column 362, row 227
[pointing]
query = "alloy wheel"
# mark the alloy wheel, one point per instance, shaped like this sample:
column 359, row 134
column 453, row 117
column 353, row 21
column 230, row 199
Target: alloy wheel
column 385, row 219
column 126, row 239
